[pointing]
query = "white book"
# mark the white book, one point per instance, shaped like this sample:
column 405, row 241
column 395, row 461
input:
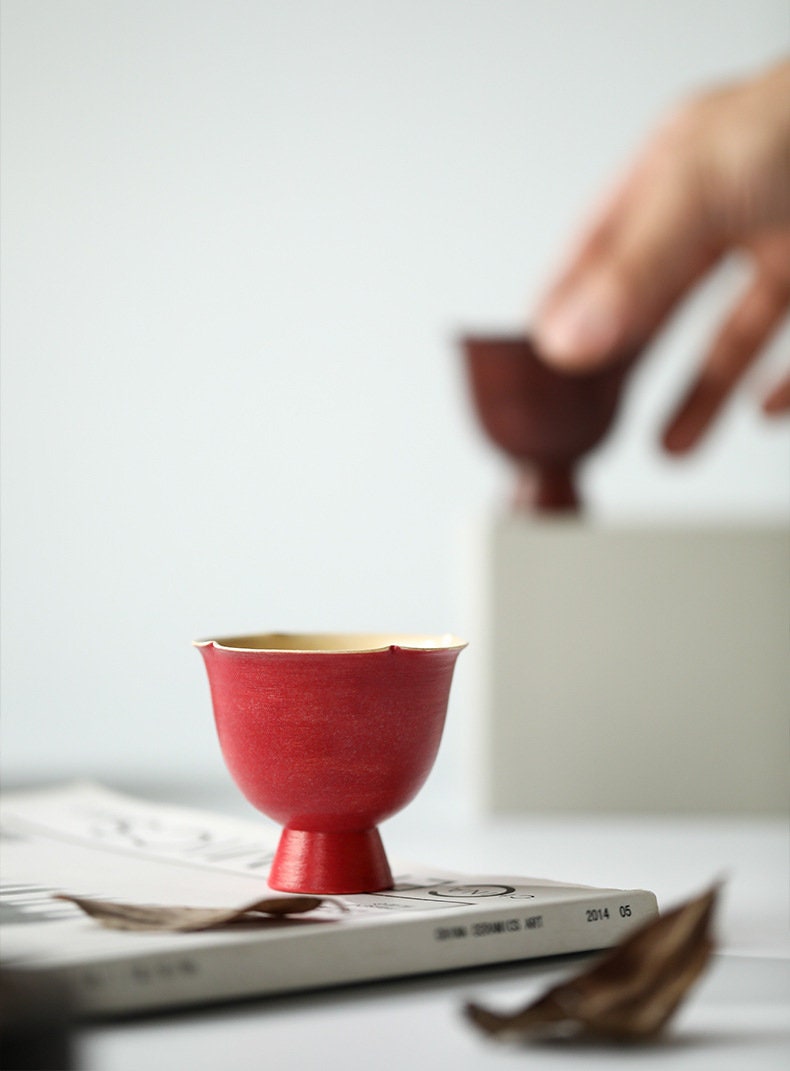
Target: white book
column 85, row 840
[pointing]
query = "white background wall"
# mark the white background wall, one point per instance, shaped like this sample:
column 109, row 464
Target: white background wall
column 238, row 239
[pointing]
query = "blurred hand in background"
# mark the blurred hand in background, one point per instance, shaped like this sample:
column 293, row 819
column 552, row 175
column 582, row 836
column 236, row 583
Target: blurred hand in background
column 713, row 179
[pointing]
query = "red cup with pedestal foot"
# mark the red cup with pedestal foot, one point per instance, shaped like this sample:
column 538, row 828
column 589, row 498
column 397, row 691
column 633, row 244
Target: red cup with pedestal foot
column 544, row 419
column 329, row 735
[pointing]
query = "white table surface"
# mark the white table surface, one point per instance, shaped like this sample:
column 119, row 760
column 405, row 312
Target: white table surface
column 737, row 1017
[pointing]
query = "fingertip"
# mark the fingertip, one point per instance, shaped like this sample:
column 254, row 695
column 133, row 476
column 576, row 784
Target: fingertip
column 579, row 333
column 677, row 440
column 777, row 403
column 689, row 421
column 558, row 347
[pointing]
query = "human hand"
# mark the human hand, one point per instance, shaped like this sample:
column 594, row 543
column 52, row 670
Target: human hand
column 713, row 179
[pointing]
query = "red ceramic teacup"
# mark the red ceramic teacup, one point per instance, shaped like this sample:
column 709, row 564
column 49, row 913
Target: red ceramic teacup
column 330, row 734
column 544, row 419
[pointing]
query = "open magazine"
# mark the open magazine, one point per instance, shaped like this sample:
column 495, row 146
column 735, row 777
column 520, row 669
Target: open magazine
column 87, row 841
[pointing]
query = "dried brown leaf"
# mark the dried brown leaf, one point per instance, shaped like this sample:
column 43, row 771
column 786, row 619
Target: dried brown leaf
column 628, row 995
column 121, row 916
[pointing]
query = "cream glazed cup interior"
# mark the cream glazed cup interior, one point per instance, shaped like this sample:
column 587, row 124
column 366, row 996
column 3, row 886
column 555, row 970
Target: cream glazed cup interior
column 334, row 642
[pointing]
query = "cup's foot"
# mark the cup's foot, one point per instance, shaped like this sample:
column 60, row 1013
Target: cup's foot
column 546, row 489
column 349, row 862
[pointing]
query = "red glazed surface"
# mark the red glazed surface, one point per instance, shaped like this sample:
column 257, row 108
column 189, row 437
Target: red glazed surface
column 329, row 741
column 544, row 419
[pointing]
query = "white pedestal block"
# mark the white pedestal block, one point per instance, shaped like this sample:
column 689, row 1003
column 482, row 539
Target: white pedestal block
column 632, row 668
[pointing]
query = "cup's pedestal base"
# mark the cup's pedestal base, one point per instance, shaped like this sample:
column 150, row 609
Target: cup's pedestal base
column 307, row 861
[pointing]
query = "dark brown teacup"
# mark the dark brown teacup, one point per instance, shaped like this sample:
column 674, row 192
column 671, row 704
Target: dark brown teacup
column 544, row 419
